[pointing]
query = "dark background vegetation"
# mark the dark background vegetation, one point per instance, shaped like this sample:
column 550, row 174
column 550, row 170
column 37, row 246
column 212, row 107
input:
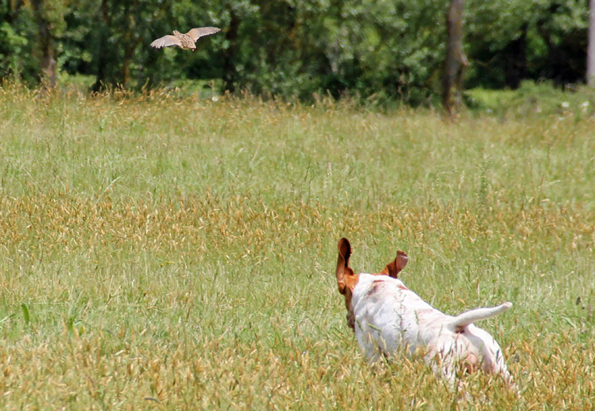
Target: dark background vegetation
column 376, row 49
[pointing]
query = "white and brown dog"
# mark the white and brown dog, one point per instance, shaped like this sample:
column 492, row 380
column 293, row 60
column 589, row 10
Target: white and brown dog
column 386, row 317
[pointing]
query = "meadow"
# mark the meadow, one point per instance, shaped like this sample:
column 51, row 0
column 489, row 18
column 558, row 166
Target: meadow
column 169, row 253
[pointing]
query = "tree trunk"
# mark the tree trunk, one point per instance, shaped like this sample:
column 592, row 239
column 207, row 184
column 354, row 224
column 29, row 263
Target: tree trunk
column 456, row 61
column 46, row 42
column 127, row 60
column 591, row 48
column 515, row 65
column 102, row 61
column 229, row 54
column 130, row 40
column 48, row 62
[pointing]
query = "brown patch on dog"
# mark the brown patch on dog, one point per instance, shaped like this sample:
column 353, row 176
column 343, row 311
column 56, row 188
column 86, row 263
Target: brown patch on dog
column 376, row 285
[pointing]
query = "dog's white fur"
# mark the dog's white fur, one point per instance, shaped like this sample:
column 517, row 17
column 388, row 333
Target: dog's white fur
column 387, row 316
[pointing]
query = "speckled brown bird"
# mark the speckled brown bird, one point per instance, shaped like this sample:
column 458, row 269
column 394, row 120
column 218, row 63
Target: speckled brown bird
column 184, row 41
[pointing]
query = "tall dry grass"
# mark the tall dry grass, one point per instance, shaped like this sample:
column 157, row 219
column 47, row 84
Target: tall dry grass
column 174, row 253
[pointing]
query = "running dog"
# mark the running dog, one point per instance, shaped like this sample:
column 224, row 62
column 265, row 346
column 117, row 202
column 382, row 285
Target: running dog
column 386, row 317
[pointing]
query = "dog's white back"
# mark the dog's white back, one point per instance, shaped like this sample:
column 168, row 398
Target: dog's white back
column 388, row 317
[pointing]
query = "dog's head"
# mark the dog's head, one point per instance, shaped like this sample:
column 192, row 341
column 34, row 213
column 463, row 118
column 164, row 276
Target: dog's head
column 347, row 279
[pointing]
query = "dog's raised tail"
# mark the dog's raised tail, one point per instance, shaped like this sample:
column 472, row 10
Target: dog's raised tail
column 462, row 320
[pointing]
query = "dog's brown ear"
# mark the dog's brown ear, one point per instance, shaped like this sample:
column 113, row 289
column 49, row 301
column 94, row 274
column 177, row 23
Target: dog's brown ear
column 393, row 268
column 343, row 268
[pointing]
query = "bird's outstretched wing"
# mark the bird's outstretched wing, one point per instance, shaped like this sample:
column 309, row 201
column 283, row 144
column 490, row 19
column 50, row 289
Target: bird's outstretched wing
column 166, row 41
column 199, row 32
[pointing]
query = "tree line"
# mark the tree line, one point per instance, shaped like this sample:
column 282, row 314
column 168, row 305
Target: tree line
column 393, row 49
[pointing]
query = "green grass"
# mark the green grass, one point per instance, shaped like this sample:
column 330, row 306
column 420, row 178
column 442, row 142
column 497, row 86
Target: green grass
column 167, row 253
column 534, row 100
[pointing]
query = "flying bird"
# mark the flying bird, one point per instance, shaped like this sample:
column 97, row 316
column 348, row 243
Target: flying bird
column 184, row 41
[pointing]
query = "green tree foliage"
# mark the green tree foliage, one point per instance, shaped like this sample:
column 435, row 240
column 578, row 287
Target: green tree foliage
column 380, row 49
column 513, row 40
column 17, row 31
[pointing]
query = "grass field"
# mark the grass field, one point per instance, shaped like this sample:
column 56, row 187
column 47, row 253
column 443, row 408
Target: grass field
column 163, row 253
